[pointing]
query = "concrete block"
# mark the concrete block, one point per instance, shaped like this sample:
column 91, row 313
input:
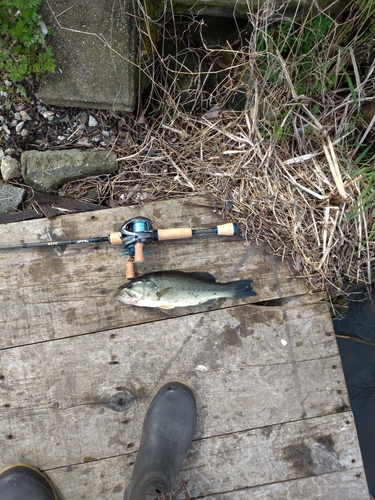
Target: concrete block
column 94, row 48
column 47, row 170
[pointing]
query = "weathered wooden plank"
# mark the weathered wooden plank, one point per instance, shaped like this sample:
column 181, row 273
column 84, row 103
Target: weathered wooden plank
column 67, row 203
column 313, row 457
column 233, row 358
column 53, row 293
column 78, row 369
column 342, row 485
column 20, row 216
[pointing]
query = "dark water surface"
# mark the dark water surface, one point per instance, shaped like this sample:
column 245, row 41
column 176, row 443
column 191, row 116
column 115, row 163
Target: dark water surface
column 358, row 360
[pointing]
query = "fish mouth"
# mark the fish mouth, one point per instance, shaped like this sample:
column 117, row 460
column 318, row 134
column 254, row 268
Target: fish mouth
column 126, row 297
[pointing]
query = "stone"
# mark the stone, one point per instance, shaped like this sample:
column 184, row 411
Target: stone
column 45, row 171
column 25, row 115
column 20, row 126
column 92, row 121
column 48, row 115
column 95, row 52
column 10, row 168
column 10, row 198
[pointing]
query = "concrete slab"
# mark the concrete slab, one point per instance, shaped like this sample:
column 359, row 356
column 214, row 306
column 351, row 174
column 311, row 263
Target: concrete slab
column 94, row 48
column 45, row 171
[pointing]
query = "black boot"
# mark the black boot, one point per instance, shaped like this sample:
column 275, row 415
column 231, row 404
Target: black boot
column 168, row 431
column 23, row 482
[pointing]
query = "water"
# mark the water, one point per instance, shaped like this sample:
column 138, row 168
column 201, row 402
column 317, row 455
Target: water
column 358, row 360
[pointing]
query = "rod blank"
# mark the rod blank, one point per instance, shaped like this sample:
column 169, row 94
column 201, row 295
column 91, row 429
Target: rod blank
column 39, row 244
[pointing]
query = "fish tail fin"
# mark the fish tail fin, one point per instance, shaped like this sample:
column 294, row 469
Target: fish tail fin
column 242, row 288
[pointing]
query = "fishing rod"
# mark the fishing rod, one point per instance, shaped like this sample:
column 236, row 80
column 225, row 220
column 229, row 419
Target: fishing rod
column 132, row 236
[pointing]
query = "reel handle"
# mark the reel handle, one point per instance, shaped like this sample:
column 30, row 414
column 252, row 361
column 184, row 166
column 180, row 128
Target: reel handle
column 138, row 257
column 129, row 270
column 138, row 252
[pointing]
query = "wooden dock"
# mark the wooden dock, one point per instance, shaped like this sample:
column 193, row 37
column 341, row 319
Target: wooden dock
column 78, row 369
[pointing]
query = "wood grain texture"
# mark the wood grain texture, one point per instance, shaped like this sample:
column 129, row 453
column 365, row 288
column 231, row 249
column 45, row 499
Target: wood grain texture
column 78, row 369
column 50, row 293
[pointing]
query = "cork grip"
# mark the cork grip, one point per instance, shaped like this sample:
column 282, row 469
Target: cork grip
column 177, row 233
column 129, row 270
column 115, row 239
column 138, row 255
column 226, row 229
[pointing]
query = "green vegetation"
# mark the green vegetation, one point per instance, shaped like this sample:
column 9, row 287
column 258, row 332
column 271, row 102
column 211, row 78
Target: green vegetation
column 366, row 199
column 296, row 44
column 23, row 48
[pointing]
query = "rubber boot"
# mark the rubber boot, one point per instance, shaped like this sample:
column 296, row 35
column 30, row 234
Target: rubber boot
column 23, row 482
column 168, row 431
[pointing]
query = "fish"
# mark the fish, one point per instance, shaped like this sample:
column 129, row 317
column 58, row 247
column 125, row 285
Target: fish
column 170, row 289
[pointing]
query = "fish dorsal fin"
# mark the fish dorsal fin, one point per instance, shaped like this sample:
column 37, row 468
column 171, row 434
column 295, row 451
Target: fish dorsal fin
column 204, row 275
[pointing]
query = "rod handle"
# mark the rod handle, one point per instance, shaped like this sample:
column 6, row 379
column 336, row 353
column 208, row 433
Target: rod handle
column 129, row 270
column 138, row 252
column 115, row 238
column 177, row 233
column 226, row 229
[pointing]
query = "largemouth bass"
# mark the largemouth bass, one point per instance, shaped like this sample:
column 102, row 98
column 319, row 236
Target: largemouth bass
column 169, row 289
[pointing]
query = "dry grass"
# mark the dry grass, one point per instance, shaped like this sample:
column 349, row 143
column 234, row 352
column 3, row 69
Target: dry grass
column 281, row 166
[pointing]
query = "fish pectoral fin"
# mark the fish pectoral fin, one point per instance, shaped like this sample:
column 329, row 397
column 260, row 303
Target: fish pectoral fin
column 163, row 292
column 210, row 302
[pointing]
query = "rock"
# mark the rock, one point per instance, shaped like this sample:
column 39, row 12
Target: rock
column 20, row 126
column 25, row 116
column 10, row 198
column 10, row 168
column 47, row 170
column 48, row 115
column 92, row 121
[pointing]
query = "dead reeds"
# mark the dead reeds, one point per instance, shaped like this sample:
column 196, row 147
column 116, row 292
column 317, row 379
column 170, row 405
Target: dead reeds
column 270, row 132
